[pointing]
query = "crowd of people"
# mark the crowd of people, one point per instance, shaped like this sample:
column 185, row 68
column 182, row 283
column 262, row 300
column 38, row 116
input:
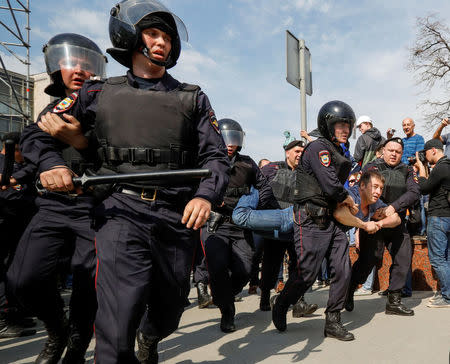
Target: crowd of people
column 126, row 240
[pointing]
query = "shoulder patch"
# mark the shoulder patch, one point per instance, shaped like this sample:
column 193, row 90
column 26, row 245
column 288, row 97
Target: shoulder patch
column 324, row 156
column 213, row 121
column 415, row 178
column 66, row 104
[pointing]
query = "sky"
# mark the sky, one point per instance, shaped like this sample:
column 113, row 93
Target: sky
column 237, row 54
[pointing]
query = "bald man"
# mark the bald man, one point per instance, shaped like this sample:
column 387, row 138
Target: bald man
column 412, row 142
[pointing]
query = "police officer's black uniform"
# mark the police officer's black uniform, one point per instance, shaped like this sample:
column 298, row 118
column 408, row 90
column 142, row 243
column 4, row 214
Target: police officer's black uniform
column 321, row 173
column 401, row 190
column 143, row 248
column 228, row 248
column 16, row 210
column 61, row 229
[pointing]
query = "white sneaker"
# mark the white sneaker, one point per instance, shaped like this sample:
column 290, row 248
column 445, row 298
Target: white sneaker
column 362, row 292
column 437, row 295
column 439, row 303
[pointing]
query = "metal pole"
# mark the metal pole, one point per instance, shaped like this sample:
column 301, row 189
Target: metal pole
column 302, row 84
column 28, row 109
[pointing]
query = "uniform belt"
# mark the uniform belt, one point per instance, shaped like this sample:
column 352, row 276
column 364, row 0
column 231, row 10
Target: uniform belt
column 147, row 194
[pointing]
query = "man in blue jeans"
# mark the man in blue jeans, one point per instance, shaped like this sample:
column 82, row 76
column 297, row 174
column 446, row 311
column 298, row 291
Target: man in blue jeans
column 438, row 229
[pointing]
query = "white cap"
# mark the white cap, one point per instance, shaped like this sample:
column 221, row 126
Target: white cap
column 363, row 119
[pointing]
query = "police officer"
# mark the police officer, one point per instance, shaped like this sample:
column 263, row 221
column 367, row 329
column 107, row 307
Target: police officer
column 148, row 121
column 16, row 210
column 401, row 190
column 228, row 248
column 62, row 225
column 281, row 177
column 320, row 179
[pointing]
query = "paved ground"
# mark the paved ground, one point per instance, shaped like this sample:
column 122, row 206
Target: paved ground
column 424, row 338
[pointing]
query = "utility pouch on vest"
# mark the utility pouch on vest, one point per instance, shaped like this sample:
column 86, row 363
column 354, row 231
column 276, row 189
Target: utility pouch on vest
column 320, row 215
column 215, row 220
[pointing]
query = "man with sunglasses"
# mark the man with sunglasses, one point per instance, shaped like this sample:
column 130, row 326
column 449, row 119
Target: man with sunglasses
column 401, row 190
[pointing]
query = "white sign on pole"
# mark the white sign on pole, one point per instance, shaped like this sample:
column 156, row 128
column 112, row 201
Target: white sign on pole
column 294, row 62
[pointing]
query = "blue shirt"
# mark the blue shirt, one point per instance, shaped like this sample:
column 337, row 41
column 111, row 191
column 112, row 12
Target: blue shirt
column 354, row 192
column 412, row 145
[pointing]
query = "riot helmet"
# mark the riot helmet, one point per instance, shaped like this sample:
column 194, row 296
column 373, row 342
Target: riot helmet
column 69, row 50
column 330, row 114
column 128, row 19
column 232, row 132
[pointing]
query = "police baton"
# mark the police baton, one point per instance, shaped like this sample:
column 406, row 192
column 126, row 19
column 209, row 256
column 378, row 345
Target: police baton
column 180, row 175
column 10, row 148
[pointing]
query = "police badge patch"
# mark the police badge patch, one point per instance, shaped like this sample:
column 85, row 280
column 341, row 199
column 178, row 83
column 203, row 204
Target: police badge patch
column 213, row 121
column 324, row 156
column 66, row 104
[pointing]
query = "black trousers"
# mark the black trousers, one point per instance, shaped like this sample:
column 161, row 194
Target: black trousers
column 273, row 256
column 199, row 269
column 57, row 233
column 11, row 229
column 229, row 254
column 313, row 244
column 145, row 256
column 371, row 249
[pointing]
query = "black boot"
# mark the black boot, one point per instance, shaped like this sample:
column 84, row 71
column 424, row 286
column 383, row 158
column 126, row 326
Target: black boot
column 302, row 308
column 204, row 299
column 264, row 303
column 10, row 328
column 147, row 348
column 334, row 327
column 58, row 334
column 279, row 312
column 394, row 305
column 227, row 320
column 76, row 347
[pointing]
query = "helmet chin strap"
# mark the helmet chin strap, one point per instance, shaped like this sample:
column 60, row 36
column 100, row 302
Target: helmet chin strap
column 144, row 51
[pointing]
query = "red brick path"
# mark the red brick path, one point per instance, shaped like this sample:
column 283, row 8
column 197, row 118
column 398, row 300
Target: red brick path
column 423, row 277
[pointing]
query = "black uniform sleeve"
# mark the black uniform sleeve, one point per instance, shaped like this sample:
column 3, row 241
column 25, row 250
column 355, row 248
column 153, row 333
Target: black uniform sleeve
column 412, row 194
column 314, row 159
column 267, row 199
column 212, row 153
column 39, row 148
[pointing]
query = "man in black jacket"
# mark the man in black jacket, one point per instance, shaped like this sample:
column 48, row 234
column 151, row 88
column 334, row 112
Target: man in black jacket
column 16, row 210
column 229, row 248
column 438, row 228
column 367, row 143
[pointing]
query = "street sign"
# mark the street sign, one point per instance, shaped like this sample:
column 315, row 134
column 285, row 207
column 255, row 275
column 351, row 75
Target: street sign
column 294, row 61
column 298, row 70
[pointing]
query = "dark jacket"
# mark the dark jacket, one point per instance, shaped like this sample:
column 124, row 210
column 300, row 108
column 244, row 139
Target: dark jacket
column 438, row 186
column 366, row 146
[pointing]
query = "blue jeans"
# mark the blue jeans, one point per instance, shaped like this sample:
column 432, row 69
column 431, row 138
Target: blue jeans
column 368, row 284
column 438, row 233
column 277, row 222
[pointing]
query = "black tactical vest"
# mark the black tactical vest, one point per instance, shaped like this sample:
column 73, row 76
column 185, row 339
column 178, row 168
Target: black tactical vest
column 395, row 180
column 242, row 177
column 283, row 185
column 307, row 187
column 146, row 130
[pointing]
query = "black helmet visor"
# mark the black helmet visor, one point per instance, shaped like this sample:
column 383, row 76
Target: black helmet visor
column 233, row 137
column 67, row 56
column 133, row 11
